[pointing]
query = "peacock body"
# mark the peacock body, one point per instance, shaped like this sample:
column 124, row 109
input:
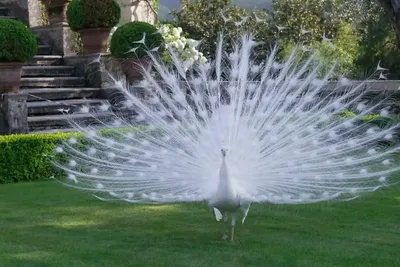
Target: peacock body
column 232, row 132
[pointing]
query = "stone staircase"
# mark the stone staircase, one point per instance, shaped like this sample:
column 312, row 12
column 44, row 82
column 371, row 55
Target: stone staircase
column 53, row 88
column 4, row 13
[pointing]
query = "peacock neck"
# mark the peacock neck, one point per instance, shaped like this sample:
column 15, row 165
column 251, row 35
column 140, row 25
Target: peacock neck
column 225, row 180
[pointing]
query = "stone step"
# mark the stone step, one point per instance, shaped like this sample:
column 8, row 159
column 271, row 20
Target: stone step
column 44, row 50
column 8, row 17
column 60, row 122
column 64, row 130
column 49, row 122
column 47, row 71
column 52, row 82
column 45, row 60
column 58, row 106
column 61, row 93
column 3, row 11
column 39, row 41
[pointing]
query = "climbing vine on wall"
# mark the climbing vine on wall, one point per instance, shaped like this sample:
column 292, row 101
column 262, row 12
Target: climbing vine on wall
column 44, row 18
column 156, row 4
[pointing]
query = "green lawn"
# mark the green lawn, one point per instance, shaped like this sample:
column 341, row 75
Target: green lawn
column 46, row 224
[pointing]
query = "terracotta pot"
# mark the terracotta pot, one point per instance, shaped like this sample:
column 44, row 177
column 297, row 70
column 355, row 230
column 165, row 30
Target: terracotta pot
column 56, row 10
column 10, row 78
column 133, row 68
column 95, row 40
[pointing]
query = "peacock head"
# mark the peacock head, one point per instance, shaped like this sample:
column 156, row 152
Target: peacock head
column 224, row 151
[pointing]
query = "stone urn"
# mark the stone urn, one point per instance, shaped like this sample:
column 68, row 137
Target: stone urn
column 95, row 40
column 10, row 78
column 133, row 68
column 56, row 10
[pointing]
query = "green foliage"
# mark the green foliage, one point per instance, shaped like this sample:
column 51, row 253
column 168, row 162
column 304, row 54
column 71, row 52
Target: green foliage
column 48, row 224
column 124, row 38
column 77, row 43
column 346, row 22
column 156, row 4
column 44, row 17
column 22, row 157
column 17, row 43
column 343, row 54
column 101, row 13
column 84, row 14
column 379, row 44
column 314, row 16
column 203, row 20
column 307, row 22
column 75, row 15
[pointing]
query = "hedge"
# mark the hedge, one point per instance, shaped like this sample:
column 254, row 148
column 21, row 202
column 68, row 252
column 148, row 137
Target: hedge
column 23, row 156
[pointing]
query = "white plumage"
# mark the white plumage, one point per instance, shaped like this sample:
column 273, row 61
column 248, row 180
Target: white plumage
column 244, row 133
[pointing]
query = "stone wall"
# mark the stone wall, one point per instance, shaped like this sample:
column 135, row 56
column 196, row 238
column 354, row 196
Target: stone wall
column 18, row 8
column 28, row 11
column 60, row 37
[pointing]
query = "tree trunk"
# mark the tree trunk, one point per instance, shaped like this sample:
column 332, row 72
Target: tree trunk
column 394, row 18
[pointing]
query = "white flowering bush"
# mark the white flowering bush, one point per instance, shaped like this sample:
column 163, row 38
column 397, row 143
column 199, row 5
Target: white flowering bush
column 184, row 48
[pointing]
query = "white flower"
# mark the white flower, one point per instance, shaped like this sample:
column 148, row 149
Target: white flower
column 184, row 48
column 176, row 32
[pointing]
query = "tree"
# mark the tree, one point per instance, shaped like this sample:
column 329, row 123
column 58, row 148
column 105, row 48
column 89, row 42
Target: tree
column 392, row 10
column 312, row 23
column 379, row 43
column 320, row 17
column 205, row 19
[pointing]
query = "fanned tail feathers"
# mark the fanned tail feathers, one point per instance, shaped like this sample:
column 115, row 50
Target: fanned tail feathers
column 289, row 138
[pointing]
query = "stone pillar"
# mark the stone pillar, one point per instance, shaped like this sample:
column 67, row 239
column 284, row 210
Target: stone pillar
column 137, row 10
column 35, row 13
column 59, row 36
column 13, row 113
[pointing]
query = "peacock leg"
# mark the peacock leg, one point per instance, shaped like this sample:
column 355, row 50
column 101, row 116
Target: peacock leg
column 225, row 218
column 233, row 224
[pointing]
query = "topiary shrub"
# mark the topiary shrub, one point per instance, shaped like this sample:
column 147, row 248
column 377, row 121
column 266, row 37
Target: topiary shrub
column 83, row 14
column 17, row 43
column 124, row 38
column 101, row 13
column 75, row 15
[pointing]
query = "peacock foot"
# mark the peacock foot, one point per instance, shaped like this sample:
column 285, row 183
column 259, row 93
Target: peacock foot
column 225, row 236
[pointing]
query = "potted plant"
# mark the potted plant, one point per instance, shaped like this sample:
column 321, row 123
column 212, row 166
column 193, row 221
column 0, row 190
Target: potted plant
column 56, row 10
column 126, row 47
column 93, row 19
column 17, row 46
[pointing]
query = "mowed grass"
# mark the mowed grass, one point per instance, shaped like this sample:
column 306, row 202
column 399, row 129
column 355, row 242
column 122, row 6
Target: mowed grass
column 46, row 224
